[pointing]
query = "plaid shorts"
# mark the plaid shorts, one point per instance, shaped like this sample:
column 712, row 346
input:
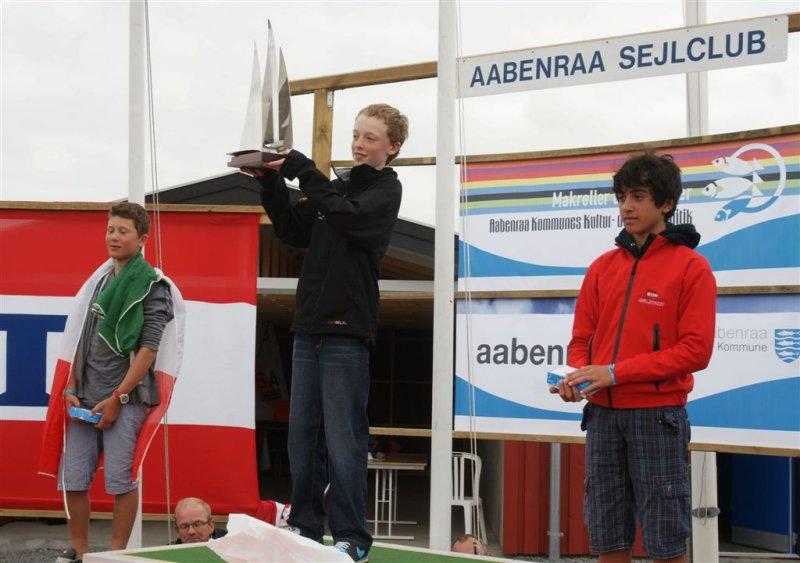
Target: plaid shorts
column 637, row 468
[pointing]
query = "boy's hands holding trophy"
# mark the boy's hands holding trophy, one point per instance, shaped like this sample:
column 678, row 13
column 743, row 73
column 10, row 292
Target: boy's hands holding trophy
column 273, row 165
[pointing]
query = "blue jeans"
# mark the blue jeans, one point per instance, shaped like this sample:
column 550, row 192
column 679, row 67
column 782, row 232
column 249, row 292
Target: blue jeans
column 328, row 436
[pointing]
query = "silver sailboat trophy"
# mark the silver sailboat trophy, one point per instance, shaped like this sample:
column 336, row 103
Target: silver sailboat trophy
column 260, row 144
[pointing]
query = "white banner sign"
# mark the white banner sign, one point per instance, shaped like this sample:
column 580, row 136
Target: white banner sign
column 676, row 51
column 746, row 397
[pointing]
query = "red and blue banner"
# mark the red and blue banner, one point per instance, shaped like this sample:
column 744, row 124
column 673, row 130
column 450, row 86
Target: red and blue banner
column 46, row 255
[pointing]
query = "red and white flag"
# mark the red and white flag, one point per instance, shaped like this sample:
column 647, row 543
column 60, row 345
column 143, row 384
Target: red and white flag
column 45, row 258
column 167, row 367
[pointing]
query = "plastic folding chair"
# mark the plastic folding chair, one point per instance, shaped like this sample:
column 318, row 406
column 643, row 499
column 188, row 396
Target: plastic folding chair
column 468, row 466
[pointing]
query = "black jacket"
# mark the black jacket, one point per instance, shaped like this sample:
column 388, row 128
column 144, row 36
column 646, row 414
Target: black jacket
column 346, row 224
column 684, row 234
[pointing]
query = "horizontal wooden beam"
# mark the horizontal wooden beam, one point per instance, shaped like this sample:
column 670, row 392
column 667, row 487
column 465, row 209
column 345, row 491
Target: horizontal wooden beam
column 602, row 149
column 410, row 161
column 105, row 206
column 391, row 431
column 794, row 22
column 551, row 293
column 373, row 77
column 700, row 446
column 758, row 290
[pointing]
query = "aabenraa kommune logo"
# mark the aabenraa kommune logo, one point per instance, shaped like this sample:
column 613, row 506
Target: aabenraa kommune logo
column 787, row 344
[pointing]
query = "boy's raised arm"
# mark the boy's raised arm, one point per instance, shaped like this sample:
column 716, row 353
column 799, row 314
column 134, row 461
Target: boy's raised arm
column 292, row 223
column 365, row 218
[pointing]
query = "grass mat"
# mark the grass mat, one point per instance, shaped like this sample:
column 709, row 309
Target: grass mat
column 377, row 554
column 199, row 554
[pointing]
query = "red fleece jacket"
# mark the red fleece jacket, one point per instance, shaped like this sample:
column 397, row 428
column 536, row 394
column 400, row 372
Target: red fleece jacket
column 651, row 312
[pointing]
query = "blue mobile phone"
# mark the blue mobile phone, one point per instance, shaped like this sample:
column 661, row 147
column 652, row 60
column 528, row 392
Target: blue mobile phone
column 553, row 379
column 84, row 415
column 557, row 374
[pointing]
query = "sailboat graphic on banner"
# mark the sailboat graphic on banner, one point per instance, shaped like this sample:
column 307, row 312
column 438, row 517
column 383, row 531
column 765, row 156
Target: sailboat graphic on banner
column 262, row 141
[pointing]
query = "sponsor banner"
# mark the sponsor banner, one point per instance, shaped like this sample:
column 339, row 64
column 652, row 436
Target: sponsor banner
column 209, row 256
column 747, row 396
column 538, row 224
column 675, row 51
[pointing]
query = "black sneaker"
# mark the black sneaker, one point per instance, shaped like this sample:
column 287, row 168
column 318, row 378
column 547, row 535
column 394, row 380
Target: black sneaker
column 357, row 554
column 67, row 556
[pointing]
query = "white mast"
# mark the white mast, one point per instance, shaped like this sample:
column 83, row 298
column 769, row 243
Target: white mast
column 136, row 158
column 444, row 275
column 705, row 536
column 136, row 97
column 694, row 13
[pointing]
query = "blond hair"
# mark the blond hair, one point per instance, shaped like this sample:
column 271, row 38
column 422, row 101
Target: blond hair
column 396, row 123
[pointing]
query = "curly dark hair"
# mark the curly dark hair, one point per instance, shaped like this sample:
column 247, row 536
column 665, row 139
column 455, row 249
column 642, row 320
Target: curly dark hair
column 657, row 173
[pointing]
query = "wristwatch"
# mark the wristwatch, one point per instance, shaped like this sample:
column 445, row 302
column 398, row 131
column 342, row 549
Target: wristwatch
column 124, row 398
column 70, row 391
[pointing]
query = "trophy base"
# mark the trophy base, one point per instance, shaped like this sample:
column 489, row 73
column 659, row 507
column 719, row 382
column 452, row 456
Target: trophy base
column 252, row 158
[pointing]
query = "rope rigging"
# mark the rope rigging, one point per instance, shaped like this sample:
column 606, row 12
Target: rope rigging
column 463, row 214
column 158, row 237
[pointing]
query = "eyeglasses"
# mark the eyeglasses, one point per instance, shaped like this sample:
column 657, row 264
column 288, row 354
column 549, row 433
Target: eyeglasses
column 196, row 524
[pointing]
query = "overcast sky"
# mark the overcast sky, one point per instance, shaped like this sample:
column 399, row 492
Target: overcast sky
column 65, row 84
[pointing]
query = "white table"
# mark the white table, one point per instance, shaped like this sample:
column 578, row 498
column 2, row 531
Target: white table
column 386, row 490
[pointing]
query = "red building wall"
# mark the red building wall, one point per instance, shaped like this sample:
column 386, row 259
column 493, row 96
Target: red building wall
column 526, row 500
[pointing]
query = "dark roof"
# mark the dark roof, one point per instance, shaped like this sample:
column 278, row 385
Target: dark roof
column 411, row 241
column 233, row 188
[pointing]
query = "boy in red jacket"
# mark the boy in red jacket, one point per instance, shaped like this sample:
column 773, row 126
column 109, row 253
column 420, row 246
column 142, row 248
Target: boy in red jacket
column 644, row 321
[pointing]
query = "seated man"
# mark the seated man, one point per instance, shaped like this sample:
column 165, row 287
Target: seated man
column 194, row 523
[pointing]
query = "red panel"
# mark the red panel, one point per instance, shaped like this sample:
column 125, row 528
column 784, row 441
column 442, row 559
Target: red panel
column 565, row 494
column 205, row 461
column 38, row 250
column 531, row 521
column 526, row 495
column 526, row 500
column 577, row 534
column 537, row 497
column 512, row 505
column 210, row 256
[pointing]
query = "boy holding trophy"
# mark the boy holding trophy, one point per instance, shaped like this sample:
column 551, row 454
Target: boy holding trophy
column 346, row 225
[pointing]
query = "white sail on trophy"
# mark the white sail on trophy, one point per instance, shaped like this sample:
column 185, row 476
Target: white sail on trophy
column 260, row 144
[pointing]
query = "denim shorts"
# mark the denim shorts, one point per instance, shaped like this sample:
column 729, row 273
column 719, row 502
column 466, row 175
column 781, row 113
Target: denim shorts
column 84, row 443
column 637, row 469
